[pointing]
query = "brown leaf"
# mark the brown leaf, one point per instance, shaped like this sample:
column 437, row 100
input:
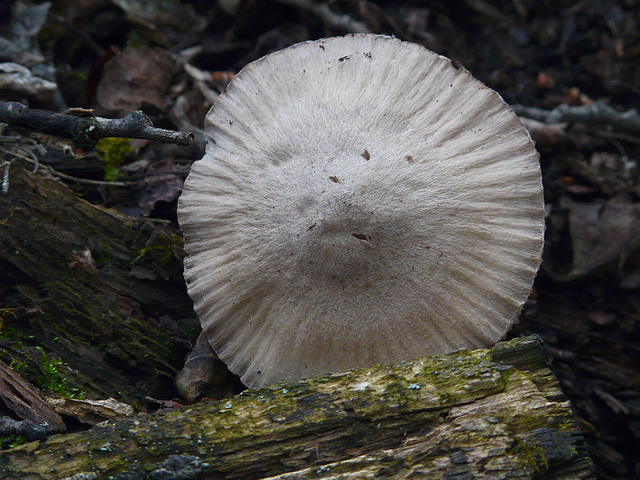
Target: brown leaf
column 158, row 187
column 602, row 233
column 137, row 75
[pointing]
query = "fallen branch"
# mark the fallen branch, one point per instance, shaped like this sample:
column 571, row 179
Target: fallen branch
column 331, row 19
column 601, row 113
column 496, row 413
column 38, row 419
column 86, row 131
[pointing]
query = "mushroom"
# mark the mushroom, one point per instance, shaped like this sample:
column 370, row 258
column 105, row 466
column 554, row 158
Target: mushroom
column 361, row 200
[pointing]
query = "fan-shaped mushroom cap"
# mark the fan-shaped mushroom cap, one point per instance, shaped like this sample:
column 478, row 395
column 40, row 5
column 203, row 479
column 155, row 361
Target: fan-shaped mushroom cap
column 360, row 200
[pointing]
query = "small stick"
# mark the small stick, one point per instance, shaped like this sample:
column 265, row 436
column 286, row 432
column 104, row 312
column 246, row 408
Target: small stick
column 86, row 131
column 54, row 172
column 601, row 113
column 334, row 20
column 5, row 177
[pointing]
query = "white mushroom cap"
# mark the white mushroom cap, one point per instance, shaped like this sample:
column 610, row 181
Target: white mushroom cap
column 360, row 200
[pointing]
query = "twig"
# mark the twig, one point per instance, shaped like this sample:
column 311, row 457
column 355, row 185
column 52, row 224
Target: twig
column 17, row 155
column 157, row 173
column 5, row 176
column 628, row 121
column 90, row 42
column 138, row 125
column 334, row 20
column 31, row 158
column 487, row 9
column 86, row 131
column 619, row 136
column 86, row 181
column 54, row 172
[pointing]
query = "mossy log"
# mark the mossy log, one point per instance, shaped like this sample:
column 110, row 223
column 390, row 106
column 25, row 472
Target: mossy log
column 100, row 292
column 104, row 293
column 496, row 413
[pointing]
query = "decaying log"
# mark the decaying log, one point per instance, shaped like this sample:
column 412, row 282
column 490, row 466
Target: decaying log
column 90, row 286
column 496, row 413
column 97, row 290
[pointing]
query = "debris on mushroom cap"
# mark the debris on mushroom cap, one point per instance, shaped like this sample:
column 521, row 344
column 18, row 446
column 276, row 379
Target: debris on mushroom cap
column 361, row 200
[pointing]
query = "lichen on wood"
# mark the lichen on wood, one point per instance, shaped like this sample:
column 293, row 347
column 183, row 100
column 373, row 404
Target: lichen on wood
column 87, row 284
column 462, row 415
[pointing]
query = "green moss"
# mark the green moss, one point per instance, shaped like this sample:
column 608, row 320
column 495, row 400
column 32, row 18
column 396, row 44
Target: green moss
column 35, row 365
column 11, row 441
column 162, row 253
column 530, row 456
column 50, row 378
column 113, row 151
column 12, row 334
column 18, row 366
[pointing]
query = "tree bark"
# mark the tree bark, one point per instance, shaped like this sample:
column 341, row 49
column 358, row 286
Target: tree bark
column 98, row 290
column 496, row 413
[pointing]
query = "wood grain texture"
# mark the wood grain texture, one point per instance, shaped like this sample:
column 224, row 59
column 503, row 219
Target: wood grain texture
column 496, row 413
column 89, row 285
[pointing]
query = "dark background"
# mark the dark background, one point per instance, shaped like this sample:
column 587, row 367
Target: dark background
column 534, row 53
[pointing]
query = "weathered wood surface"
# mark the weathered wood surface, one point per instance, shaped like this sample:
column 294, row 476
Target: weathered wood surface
column 26, row 402
column 89, row 286
column 496, row 413
column 99, row 290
